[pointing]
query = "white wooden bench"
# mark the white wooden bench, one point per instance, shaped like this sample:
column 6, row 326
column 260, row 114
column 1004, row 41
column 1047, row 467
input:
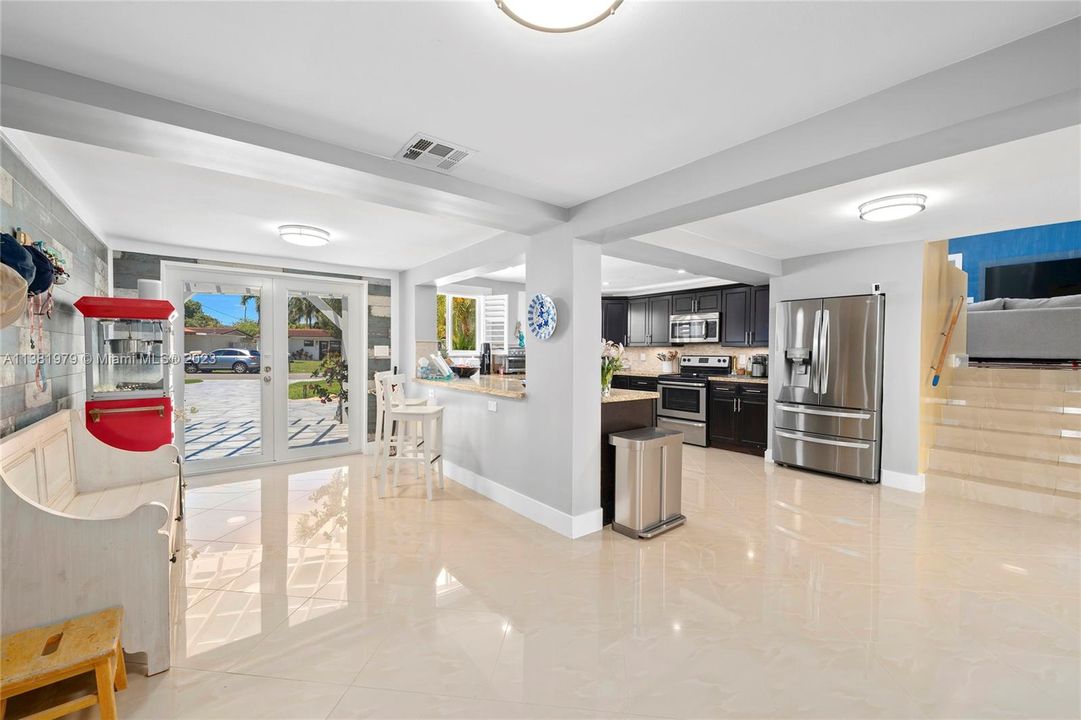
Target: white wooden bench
column 87, row 526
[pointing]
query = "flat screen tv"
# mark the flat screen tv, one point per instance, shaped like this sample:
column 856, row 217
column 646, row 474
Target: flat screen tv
column 1049, row 278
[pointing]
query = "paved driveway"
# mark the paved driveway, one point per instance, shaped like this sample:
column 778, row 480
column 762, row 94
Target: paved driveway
column 227, row 421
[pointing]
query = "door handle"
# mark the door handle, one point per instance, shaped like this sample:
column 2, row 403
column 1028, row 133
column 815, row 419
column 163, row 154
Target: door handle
column 827, row 413
column 824, row 348
column 823, row 441
column 815, row 351
column 266, row 378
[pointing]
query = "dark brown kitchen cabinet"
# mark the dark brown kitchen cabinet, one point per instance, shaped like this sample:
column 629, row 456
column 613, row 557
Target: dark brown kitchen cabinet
column 642, row 383
column 737, row 417
column 722, row 416
column 696, row 302
column 745, row 322
column 638, row 321
column 614, row 320
column 760, row 316
column 621, row 382
column 660, row 312
column 736, row 306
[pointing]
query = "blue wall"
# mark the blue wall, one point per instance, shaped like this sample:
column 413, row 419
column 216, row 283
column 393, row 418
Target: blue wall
column 1043, row 242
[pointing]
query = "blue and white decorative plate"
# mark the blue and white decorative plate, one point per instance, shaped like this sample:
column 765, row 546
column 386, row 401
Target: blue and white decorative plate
column 541, row 316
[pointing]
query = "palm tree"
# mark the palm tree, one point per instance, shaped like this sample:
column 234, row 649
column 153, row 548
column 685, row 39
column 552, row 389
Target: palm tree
column 245, row 299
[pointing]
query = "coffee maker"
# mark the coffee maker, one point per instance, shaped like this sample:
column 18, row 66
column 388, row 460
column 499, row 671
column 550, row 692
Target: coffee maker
column 760, row 366
column 486, row 359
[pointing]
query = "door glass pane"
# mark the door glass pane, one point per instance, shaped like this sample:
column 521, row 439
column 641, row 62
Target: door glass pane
column 222, row 394
column 318, row 404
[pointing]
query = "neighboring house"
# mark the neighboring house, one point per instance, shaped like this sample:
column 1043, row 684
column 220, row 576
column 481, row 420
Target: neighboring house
column 315, row 342
column 202, row 339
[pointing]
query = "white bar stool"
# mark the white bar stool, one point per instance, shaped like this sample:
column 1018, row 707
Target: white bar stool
column 380, row 406
column 403, row 423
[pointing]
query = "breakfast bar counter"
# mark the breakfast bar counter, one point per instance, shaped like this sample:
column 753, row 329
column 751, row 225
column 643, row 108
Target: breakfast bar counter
column 504, row 386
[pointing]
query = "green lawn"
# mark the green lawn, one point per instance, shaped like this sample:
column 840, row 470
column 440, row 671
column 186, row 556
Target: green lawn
column 303, row 390
column 191, row 381
column 303, row 366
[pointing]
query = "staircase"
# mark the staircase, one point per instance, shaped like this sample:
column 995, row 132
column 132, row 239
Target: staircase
column 1010, row 437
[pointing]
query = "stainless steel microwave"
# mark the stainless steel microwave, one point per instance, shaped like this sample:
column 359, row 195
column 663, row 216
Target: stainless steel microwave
column 700, row 328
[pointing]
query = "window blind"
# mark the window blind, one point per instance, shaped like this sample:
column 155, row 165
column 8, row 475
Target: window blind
column 495, row 322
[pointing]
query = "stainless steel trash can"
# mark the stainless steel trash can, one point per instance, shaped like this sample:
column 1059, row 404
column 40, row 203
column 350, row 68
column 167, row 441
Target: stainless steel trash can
column 649, row 481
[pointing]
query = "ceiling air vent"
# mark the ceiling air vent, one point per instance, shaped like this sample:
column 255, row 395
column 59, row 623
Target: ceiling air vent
column 432, row 153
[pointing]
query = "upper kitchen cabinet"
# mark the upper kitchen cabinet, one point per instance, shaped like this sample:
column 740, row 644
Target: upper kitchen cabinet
column 660, row 313
column 614, row 319
column 760, row 310
column 696, row 302
column 736, row 306
column 638, row 321
column 746, row 316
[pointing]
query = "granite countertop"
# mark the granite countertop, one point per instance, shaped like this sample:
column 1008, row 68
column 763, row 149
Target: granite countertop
column 628, row 395
column 640, row 373
column 505, row 386
column 740, row 379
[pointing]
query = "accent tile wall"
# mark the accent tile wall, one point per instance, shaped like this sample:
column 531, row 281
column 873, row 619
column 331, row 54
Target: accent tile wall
column 27, row 202
column 634, row 361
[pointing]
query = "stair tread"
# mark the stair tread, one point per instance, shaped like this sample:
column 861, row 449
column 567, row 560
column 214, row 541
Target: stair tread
column 1000, row 456
column 1020, row 487
column 1009, row 431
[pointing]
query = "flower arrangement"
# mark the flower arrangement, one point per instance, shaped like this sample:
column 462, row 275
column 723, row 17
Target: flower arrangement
column 667, row 357
column 611, row 362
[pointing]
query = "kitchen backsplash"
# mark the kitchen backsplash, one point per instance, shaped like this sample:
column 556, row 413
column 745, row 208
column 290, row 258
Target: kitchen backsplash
column 633, row 357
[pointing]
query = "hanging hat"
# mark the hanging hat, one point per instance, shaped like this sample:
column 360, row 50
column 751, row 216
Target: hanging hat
column 15, row 255
column 12, row 295
column 43, row 277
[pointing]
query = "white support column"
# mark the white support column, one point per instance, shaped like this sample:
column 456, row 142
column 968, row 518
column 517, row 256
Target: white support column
column 564, row 416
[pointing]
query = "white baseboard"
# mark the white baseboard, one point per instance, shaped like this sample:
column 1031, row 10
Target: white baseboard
column 904, row 481
column 768, row 457
column 572, row 526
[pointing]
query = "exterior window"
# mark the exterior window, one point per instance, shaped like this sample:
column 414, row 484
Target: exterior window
column 457, row 320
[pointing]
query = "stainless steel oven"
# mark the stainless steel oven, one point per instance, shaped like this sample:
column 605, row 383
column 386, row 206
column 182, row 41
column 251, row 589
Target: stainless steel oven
column 703, row 327
column 682, row 399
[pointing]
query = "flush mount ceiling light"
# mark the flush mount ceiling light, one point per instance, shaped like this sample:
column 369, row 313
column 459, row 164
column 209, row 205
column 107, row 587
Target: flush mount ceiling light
column 893, row 207
column 558, row 16
column 304, row 235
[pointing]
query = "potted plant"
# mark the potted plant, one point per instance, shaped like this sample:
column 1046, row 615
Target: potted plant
column 611, row 363
column 667, row 357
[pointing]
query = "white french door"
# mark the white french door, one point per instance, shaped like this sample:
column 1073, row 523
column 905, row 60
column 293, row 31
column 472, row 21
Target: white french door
column 274, row 369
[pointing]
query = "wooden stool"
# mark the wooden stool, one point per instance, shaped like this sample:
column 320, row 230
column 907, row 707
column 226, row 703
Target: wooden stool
column 41, row 656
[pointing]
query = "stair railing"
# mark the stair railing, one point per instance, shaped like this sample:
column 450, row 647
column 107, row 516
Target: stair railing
column 947, row 336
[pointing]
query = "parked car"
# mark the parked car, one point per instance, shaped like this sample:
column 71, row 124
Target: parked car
column 235, row 360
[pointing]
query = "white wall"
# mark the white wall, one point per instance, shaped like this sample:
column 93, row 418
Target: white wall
column 899, row 268
column 540, row 455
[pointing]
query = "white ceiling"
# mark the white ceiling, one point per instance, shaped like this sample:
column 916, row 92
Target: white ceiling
column 622, row 277
column 562, row 118
column 136, row 198
column 1028, row 182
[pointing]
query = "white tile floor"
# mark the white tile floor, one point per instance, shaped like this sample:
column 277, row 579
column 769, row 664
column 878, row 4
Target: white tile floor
column 786, row 595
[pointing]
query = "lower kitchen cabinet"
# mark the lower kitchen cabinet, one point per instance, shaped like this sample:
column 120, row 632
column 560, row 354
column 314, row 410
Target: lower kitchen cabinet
column 738, row 417
column 634, row 382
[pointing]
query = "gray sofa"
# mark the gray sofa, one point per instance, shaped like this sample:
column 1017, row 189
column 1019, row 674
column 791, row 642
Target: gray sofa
column 1046, row 329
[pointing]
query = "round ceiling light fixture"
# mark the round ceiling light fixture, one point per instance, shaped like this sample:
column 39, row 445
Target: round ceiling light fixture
column 304, row 235
column 893, row 207
column 558, row 16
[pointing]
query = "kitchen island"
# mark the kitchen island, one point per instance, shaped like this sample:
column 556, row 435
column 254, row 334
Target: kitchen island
column 621, row 410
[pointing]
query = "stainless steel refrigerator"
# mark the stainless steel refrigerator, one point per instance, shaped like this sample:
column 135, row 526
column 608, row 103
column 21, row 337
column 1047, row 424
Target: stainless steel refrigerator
column 828, row 414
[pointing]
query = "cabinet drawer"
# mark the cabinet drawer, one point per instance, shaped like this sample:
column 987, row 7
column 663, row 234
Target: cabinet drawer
column 636, row 383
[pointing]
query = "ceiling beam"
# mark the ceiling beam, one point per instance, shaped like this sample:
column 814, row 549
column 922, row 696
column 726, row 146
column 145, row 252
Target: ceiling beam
column 491, row 255
column 51, row 102
column 1023, row 88
column 723, row 263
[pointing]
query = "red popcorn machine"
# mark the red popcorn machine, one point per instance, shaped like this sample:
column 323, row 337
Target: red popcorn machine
column 128, row 347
